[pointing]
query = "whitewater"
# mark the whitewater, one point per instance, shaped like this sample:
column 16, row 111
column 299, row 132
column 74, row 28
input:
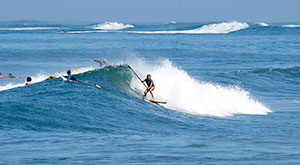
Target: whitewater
column 219, row 28
column 186, row 94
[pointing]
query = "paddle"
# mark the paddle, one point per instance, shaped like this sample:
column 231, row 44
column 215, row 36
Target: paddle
column 137, row 76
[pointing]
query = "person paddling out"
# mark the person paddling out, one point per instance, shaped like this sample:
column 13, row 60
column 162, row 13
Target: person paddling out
column 150, row 84
column 1, row 75
column 102, row 63
column 70, row 77
column 28, row 81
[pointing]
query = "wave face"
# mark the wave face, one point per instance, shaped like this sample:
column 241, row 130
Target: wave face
column 182, row 92
column 220, row 28
column 112, row 26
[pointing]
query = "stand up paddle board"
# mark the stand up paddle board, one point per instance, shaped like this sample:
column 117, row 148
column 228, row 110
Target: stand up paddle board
column 156, row 101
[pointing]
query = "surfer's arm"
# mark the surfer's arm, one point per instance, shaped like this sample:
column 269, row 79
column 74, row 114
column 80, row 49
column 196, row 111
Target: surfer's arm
column 100, row 62
column 73, row 78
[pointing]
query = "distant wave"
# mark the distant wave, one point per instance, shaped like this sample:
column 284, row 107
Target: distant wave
column 172, row 22
column 30, row 28
column 220, row 28
column 86, row 31
column 112, row 26
column 291, row 26
column 263, row 24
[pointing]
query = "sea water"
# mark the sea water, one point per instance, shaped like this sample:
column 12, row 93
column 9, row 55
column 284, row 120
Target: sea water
column 232, row 92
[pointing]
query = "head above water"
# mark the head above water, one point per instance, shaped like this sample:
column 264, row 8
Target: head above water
column 29, row 79
column 68, row 72
column 148, row 76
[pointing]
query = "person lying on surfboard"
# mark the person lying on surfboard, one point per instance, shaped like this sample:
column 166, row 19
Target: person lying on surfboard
column 150, row 84
column 102, row 63
column 70, row 77
column 2, row 76
column 12, row 76
column 50, row 77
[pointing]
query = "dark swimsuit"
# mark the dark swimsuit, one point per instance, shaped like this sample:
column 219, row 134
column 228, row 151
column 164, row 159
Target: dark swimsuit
column 148, row 82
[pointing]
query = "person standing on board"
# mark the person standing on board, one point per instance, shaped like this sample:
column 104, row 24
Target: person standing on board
column 150, row 84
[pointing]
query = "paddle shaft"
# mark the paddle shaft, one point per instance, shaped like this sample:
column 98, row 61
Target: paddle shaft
column 137, row 76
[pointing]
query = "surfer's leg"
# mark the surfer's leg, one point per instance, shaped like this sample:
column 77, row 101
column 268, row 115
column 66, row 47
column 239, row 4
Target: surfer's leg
column 151, row 92
column 145, row 93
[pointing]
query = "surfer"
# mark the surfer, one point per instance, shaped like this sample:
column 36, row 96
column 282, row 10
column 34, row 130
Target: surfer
column 70, row 77
column 102, row 63
column 150, row 84
column 11, row 76
column 50, row 77
column 2, row 76
column 28, row 82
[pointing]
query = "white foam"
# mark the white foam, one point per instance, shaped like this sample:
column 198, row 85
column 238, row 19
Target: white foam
column 30, row 28
column 291, row 26
column 220, row 28
column 41, row 77
column 172, row 22
column 112, row 26
column 263, row 24
column 86, row 31
column 186, row 94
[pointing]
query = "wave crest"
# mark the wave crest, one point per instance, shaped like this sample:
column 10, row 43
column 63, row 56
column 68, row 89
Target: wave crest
column 263, row 24
column 186, row 94
column 291, row 26
column 112, row 26
column 220, row 28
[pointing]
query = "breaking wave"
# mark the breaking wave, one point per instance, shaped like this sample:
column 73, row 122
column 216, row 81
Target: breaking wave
column 112, row 26
column 186, row 94
column 291, row 26
column 263, row 24
column 220, row 28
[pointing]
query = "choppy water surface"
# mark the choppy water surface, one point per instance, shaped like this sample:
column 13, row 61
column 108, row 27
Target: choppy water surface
column 232, row 92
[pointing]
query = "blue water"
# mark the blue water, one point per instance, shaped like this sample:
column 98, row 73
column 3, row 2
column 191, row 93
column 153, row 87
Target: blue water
column 233, row 96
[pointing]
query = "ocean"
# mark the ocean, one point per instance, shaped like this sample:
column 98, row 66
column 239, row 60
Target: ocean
column 232, row 91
